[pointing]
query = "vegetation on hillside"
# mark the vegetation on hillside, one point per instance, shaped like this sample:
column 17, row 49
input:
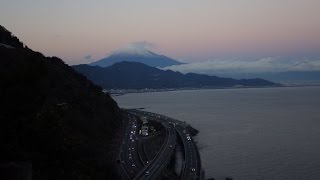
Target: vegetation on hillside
column 53, row 117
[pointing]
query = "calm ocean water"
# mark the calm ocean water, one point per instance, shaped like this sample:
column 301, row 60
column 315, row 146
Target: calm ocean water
column 267, row 133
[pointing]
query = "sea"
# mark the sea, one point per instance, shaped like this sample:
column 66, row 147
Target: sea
column 248, row 133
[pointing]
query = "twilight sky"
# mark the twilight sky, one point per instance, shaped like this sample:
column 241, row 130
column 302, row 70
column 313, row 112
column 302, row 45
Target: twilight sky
column 82, row 31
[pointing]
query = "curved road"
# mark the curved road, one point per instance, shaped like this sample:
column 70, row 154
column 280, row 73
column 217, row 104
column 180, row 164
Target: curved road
column 192, row 161
column 192, row 164
column 157, row 165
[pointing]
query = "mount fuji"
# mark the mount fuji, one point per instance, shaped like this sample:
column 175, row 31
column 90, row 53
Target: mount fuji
column 136, row 53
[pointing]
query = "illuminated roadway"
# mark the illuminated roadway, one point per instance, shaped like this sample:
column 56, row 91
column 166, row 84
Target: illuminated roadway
column 161, row 160
column 192, row 163
column 129, row 158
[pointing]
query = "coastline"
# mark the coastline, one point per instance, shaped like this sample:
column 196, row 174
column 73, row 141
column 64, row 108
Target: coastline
column 120, row 92
column 193, row 131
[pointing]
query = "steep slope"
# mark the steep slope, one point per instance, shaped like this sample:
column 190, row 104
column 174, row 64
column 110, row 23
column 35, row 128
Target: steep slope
column 7, row 39
column 52, row 117
column 136, row 54
column 133, row 75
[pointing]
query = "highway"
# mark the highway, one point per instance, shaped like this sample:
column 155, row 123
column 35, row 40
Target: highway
column 154, row 168
column 147, row 157
column 129, row 158
column 192, row 162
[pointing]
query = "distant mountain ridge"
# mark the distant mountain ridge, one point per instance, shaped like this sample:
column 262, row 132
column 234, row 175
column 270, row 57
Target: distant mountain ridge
column 134, row 75
column 136, row 54
column 289, row 78
column 294, row 70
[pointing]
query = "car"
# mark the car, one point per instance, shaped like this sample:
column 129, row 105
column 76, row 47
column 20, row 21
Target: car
column 133, row 165
column 170, row 146
column 193, row 169
column 147, row 173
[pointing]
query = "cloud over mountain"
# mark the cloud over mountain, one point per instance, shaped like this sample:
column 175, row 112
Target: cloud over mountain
column 240, row 65
column 136, row 52
column 137, row 48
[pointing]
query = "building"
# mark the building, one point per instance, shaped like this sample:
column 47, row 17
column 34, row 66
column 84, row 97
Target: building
column 144, row 130
column 144, row 120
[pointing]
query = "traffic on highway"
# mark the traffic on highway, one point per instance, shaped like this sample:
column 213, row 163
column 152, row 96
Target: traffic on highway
column 136, row 165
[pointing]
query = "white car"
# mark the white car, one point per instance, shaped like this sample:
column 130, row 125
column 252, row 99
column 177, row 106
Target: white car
column 147, row 173
column 193, row 169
